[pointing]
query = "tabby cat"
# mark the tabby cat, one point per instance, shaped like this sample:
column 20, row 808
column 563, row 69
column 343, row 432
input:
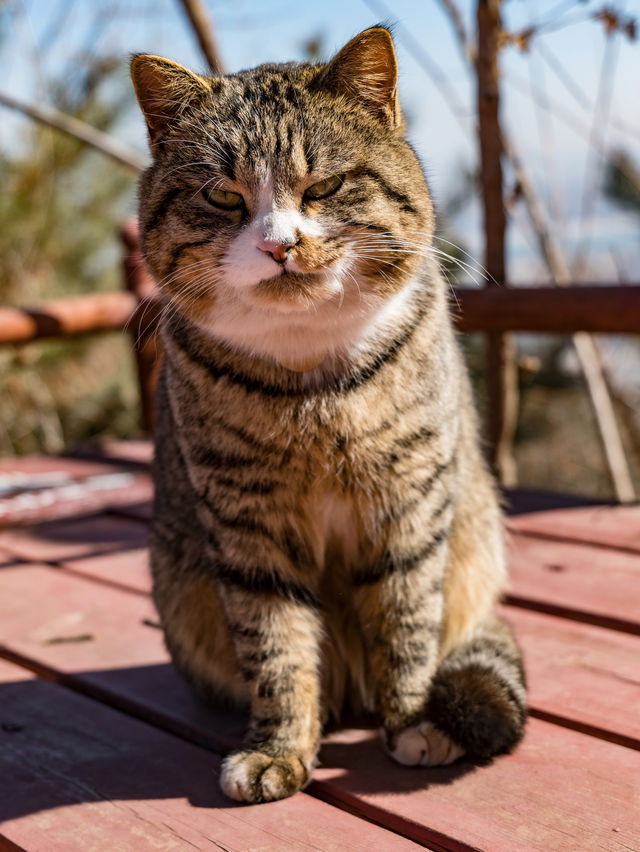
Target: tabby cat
column 325, row 531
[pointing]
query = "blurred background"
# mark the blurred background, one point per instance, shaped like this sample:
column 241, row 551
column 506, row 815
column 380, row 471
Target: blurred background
column 570, row 115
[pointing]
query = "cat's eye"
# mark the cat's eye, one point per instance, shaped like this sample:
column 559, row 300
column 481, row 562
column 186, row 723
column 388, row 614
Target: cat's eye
column 223, row 199
column 324, row 188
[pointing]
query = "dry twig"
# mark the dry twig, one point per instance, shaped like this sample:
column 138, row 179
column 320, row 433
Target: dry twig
column 80, row 130
column 203, row 29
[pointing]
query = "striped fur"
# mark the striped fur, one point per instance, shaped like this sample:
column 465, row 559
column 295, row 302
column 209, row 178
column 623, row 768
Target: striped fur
column 325, row 531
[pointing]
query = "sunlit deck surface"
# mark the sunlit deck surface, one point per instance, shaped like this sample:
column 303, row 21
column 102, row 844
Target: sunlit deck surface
column 102, row 747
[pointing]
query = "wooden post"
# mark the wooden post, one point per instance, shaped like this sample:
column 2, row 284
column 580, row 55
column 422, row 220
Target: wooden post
column 501, row 364
column 203, row 29
column 145, row 338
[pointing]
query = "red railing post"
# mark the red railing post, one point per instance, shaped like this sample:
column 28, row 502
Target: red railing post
column 144, row 330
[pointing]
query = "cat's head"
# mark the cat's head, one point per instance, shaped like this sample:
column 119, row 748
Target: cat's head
column 284, row 210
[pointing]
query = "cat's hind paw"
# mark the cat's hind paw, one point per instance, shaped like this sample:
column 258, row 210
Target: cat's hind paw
column 424, row 745
column 253, row 776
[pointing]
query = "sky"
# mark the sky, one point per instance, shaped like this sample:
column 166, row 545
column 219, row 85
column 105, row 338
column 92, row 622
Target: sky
column 548, row 94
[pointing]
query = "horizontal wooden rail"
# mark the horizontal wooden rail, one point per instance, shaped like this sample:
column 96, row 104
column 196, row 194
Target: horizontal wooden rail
column 550, row 310
column 77, row 316
column 611, row 309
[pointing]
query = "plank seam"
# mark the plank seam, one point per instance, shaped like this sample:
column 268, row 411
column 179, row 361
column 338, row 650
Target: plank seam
column 416, row 832
column 169, row 727
column 586, row 728
column 568, row 539
column 569, row 613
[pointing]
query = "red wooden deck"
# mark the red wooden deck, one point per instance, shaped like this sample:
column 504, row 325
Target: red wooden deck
column 103, row 747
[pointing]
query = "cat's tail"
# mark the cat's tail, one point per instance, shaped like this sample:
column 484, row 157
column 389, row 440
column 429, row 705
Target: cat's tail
column 478, row 695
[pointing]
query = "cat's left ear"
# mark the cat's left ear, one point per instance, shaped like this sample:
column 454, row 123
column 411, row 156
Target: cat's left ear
column 366, row 70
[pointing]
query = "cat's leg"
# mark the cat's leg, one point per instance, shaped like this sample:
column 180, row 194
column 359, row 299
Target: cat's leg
column 399, row 600
column 276, row 641
column 476, row 703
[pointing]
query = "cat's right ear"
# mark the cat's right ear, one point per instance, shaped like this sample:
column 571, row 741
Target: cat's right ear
column 164, row 90
column 366, row 70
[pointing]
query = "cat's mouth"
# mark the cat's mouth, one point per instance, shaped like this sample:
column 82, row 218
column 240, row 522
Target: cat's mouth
column 294, row 291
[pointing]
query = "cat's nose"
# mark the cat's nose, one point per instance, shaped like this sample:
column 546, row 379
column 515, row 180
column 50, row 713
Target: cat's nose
column 278, row 251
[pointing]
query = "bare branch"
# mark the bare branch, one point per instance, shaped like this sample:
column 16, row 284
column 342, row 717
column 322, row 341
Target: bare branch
column 585, row 345
column 80, row 130
column 468, row 48
column 203, row 29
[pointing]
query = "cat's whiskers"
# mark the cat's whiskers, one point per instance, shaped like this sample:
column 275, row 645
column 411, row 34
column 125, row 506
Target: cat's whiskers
column 217, row 185
column 403, row 245
column 484, row 270
column 161, row 285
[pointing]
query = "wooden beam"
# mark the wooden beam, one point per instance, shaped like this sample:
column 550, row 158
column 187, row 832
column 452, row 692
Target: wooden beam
column 146, row 341
column 70, row 317
column 545, row 310
column 501, row 369
column 550, row 310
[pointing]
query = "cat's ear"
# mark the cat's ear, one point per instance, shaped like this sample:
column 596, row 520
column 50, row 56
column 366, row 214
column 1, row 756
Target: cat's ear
column 366, row 70
column 164, row 90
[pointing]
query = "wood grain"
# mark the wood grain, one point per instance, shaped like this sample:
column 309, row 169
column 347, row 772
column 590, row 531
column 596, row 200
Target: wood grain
column 576, row 580
column 581, row 676
column 616, row 527
column 561, row 790
column 53, row 541
column 75, row 775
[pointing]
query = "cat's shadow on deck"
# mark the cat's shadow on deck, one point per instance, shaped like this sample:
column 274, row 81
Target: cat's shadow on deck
column 354, row 760
column 60, row 748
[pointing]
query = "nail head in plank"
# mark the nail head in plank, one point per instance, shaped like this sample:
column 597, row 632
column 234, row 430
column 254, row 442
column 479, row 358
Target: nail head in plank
column 602, row 583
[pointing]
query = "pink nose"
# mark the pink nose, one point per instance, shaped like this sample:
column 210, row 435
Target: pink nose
column 278, row 251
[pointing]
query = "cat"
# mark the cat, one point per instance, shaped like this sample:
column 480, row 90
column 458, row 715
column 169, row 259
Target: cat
column 325, row 532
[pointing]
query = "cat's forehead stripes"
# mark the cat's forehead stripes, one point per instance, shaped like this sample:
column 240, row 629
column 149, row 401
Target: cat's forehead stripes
column 267, row 125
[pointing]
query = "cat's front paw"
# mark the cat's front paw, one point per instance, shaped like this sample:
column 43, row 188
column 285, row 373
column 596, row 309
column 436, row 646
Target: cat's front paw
column 253, row 776
column 423, row 745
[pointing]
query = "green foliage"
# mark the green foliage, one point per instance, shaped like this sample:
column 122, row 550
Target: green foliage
column 60, row 212
column 622, row 181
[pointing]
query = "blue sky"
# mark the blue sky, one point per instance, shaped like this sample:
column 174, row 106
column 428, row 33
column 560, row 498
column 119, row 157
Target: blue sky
column 250, row 32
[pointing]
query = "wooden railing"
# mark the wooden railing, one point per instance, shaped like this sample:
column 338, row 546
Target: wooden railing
column 549, row 310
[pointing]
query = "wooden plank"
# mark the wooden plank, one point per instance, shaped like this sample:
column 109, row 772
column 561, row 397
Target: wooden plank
column 15, row 469
column 560, row 790
column 75, row 775
column 74, row 498
column 69, row 317
column 519, row 501
column 576, row 580
column 553, row 310
column 66, row 539
column 136, row 452
column 128, row 569
column 104, row 642
column 125, row 663
column 608, row 526
column 581, row 676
